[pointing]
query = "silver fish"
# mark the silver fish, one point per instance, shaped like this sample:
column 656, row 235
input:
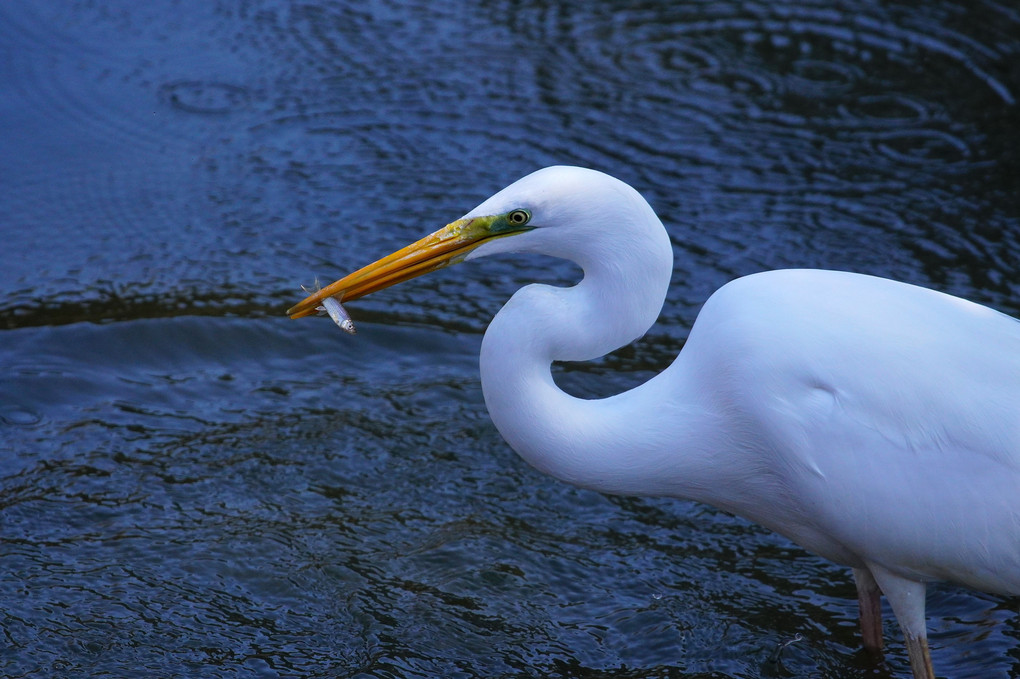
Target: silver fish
column 336, row 311
column 339, row 315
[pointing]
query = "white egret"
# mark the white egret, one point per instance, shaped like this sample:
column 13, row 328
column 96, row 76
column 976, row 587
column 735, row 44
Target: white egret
column 872, row 422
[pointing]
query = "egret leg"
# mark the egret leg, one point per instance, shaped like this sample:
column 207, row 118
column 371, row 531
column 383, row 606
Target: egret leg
column 907, row 600
column 920, row 658
column 869, row 600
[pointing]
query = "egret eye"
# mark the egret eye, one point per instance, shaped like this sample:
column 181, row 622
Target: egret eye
column 518, row 217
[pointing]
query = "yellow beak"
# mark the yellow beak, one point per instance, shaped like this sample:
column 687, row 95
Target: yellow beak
column 446, row 246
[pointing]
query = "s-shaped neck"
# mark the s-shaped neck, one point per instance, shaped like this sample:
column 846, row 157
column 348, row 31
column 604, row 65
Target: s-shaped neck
column 609, row 444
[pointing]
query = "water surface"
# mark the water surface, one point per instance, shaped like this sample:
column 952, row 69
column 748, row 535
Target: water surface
column 193, row 485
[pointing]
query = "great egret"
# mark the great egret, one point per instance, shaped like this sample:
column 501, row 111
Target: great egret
column 872, row 422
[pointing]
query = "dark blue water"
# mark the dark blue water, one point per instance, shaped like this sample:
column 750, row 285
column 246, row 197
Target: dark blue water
column 193, row 485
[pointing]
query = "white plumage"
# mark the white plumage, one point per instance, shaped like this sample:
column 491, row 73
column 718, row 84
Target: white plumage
column 872, row 422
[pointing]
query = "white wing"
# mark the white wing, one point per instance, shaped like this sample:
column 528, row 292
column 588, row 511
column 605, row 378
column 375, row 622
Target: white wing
column 889, row 414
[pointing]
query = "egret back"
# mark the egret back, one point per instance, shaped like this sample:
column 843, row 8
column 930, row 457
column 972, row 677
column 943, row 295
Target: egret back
column 889, row 413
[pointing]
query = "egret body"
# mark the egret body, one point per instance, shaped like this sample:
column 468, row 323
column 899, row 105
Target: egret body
column 872, row 422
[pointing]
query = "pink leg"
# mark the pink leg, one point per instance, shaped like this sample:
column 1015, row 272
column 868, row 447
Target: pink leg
column 869, row 600
column 907, row 600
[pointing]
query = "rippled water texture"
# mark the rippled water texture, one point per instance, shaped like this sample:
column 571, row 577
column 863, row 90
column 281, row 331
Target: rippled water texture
column 193, row 485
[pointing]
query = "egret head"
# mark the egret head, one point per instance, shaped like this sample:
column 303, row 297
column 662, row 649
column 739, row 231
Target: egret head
column 548, row 211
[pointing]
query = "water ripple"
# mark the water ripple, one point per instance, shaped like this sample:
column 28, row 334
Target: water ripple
column 193, row 485
column 922, row 147
column 195, row 96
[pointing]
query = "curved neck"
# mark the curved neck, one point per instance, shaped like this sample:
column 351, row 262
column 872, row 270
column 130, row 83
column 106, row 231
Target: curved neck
column 610, row 444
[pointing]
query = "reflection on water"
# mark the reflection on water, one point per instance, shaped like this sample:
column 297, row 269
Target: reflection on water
column 192, row 485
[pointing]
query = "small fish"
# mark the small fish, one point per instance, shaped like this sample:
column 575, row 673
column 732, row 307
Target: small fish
column 338, row 314
column 336, row 311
